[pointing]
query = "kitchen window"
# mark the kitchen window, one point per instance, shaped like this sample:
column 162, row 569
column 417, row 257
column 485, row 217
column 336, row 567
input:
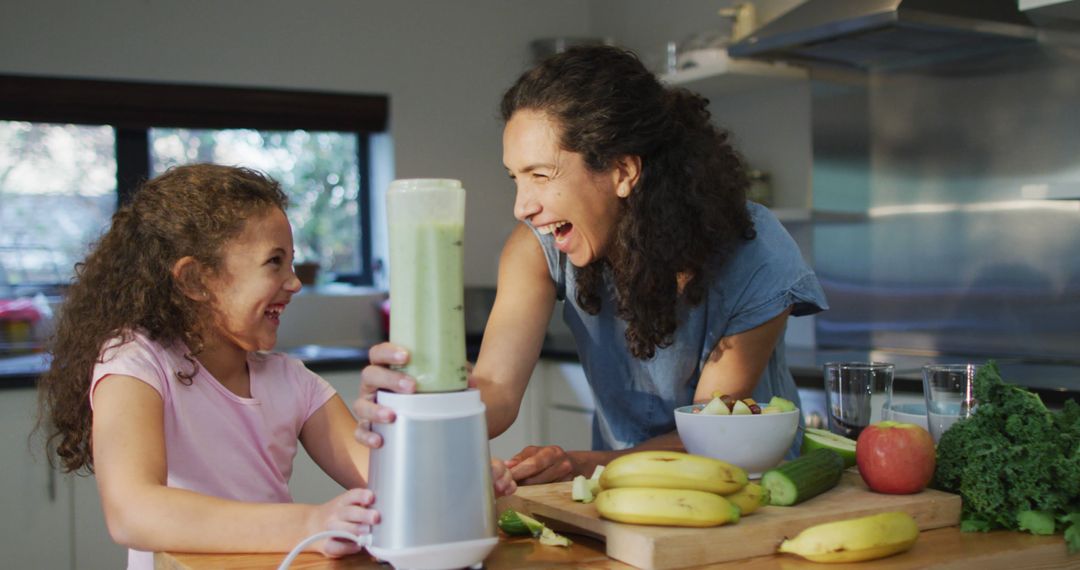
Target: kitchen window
column 71, row 150
column 114, row 134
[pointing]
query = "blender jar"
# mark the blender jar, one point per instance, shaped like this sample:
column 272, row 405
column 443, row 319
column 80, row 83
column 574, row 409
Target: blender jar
column 427, row 230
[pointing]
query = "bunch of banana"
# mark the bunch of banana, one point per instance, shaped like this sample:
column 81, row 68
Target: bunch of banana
column 673, row 470
column 852, row 540
column 676, row 489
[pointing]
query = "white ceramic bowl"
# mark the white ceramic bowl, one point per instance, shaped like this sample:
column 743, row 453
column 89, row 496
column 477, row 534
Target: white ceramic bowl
column 754, row 442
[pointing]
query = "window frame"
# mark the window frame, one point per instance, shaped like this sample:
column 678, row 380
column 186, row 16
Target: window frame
column 133, row 108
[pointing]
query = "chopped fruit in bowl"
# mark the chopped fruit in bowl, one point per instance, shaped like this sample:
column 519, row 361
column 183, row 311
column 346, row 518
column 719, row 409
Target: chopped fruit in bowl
column 739, row 431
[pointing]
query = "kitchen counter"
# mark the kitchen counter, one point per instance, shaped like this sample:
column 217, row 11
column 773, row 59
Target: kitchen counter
column 1054, row 382
column 940, row 548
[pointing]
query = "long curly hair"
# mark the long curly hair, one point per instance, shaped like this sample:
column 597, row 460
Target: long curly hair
column 126, row 284
column 689, row 205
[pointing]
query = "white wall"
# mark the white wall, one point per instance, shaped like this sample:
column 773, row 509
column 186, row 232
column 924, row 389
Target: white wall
column 443, row 64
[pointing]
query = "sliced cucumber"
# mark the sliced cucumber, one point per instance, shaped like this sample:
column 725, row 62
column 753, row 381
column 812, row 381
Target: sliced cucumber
column 814, row 438
column 581, row 490
column 514, row 523
column 594, row 481
column 808, row 476
column 517, row 524
column 551, row 538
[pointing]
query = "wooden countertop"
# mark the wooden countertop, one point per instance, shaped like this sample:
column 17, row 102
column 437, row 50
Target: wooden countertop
column 940, row 548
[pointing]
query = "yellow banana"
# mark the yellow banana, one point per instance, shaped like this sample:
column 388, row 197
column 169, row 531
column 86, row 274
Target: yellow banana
column 669, row 507
column 672, row 470
column 852, row 540
column 749, row 499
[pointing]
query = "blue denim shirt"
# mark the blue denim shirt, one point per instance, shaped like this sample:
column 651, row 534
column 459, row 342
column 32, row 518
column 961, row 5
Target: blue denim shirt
column 636, row 399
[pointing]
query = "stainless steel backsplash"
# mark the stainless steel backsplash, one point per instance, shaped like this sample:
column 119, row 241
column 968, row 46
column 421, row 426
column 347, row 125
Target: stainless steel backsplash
column 948, row 244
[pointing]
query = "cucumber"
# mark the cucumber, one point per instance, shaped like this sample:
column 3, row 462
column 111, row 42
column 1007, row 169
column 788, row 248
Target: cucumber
column 514, row 523
column 518, row 524
column 808, row 476
column 581, row 490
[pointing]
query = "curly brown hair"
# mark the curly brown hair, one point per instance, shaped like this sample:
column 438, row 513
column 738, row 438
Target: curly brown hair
column 689, row 205
column 126, row 283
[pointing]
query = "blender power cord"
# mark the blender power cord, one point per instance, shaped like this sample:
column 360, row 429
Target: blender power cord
column 361, row 539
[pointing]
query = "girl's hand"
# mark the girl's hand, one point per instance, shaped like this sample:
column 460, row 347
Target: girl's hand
column 349, row 512
column 378, row 376
column 504, row 481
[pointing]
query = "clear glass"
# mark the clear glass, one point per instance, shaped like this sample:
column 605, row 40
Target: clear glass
column 57, row 195
column 427, row 231
column 950, row 395
column 318, row 170
column 856, row 393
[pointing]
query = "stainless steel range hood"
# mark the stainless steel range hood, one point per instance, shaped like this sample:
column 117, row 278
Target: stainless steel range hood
column 883, row 35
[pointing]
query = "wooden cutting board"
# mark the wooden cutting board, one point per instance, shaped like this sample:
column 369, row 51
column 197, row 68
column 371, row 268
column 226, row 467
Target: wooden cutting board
column 754, row 535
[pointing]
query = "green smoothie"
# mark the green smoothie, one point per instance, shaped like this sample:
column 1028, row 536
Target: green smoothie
column 427, row 297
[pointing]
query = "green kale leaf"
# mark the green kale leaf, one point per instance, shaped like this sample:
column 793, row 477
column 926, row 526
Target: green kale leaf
column 1014, row 457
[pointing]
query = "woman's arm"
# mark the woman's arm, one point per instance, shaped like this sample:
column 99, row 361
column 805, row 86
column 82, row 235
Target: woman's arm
column 736, row 363
column 328, row 438
column 143, row 513
column 515, row 328
column 733, row 367
column 512, row 339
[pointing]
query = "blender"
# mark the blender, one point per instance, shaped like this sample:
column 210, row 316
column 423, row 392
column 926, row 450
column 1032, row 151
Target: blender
column 432, row 475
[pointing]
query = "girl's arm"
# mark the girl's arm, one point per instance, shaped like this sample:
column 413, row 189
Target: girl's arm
column 142, row 513
column 328, row 438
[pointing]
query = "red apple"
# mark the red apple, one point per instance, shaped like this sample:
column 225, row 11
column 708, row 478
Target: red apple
column 895, row 458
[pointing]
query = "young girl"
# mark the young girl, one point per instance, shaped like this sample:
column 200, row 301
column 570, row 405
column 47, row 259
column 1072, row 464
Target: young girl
column 161, row 386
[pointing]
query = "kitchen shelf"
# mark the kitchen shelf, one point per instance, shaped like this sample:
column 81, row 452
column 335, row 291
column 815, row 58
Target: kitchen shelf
column 726, row 76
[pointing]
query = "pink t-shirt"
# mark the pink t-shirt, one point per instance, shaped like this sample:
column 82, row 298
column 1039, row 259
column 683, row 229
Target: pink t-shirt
column 216, row 442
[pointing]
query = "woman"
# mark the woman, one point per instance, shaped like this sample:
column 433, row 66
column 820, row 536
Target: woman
column 633, row 210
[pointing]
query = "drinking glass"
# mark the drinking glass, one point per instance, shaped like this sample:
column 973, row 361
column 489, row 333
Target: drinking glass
column 950, row 395
column 854, row 392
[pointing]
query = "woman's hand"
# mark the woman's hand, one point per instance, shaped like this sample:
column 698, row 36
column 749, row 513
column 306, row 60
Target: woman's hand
column 503, row 480
column 350, row 512
column 534, row 465
column 378, row 376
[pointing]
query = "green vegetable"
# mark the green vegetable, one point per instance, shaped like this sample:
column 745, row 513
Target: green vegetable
column 1036, row 522
column 580, row 490
column 517, row 524
column 551, row 538
column 800, row 479
column 1014, row 456
column 514, row 523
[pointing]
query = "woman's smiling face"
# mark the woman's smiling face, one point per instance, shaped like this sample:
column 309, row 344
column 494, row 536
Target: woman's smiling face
column 556, row 191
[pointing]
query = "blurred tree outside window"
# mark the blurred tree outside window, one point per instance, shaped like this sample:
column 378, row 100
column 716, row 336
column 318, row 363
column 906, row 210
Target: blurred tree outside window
column 318, row 170
column 57, row 195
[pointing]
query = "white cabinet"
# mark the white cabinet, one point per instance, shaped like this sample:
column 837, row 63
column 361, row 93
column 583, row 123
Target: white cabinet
column 568, row 405
column 94, row 548
column 557, row 410
column 526, row 429
column 36, row 526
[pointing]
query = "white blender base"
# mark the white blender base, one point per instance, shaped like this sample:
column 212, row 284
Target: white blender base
column 447, row 556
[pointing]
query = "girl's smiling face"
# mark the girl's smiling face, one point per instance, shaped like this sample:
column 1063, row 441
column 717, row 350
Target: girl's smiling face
column 255, row 282
column 556, row 191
